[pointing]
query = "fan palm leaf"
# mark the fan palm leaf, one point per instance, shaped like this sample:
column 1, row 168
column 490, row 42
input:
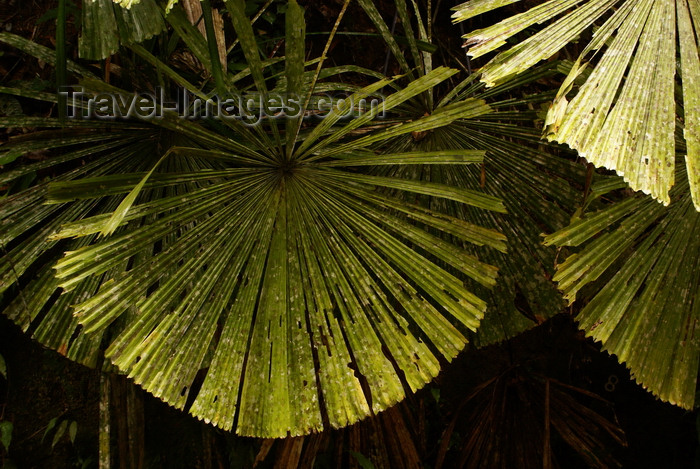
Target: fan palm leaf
column 105, row 26
column 642, row 259
column 517, row 168
column 623, row 115
column 268, row 285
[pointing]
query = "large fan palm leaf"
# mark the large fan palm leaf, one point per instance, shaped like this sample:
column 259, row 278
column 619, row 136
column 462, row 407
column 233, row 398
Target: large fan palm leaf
column 645, row 310
column 533, row 182
column 623, row 115
column 267, row 285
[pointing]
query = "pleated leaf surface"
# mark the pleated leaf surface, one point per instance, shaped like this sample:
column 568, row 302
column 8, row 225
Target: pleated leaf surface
column 268, row 286
column 641, row 261
column 623, row 114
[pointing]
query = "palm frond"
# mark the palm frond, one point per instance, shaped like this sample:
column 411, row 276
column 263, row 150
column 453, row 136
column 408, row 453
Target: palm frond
column 272, row 284
column 642, row 259
column 534, row 183
column 512, row 420
column 513, row 171
column 105, row 26
column 623, row 115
